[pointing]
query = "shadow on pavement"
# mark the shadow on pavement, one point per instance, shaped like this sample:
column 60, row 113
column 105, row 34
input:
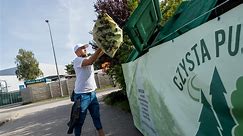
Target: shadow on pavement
column 52, row 122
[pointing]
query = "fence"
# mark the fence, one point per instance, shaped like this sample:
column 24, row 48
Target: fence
column 42, row 91
column 46, row 91
column 52, row 90
column 10, row 97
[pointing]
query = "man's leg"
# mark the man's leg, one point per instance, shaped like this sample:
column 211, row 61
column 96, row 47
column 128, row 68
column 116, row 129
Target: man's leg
column 78, row 127
column 85, row 100
column 95, row 114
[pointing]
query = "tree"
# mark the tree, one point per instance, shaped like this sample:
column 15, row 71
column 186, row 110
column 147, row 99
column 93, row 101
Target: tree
column 69, row 69
column 208, row 122
column 168, row 8
column 220, row 105
column 27, row 65
column 119, row 10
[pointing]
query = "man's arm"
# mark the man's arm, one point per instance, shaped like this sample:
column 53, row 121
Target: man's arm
column 93, row 58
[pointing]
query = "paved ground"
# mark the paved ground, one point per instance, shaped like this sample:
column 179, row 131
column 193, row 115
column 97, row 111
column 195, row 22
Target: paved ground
column 49, row 119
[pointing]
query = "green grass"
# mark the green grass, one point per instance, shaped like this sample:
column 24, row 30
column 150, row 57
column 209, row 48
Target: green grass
column 118, row 99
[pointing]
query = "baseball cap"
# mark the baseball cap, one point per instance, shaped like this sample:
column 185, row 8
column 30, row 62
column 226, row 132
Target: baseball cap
column 80, row 45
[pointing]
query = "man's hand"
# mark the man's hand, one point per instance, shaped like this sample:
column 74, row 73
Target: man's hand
column 101, row 53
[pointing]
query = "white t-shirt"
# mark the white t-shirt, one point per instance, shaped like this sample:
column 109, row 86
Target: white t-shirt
column 85, row 81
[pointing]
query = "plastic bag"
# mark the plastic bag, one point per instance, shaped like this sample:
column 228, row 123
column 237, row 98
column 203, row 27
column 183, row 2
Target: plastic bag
column 107, row 34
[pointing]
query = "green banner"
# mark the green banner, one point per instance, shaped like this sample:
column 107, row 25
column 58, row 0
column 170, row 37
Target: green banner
column 192, row 85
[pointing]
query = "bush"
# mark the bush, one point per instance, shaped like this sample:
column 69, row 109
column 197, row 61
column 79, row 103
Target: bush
column 118, row 99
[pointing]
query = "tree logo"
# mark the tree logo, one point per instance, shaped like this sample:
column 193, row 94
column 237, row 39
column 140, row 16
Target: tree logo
column 216, row 119
column 237, row 102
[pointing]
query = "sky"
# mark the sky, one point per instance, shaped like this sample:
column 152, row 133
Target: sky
column 22, row 25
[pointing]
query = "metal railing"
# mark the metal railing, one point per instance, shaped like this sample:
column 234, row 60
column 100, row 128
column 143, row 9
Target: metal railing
column 10, row 97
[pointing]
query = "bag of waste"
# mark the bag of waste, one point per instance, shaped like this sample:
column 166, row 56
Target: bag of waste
column 107, row 34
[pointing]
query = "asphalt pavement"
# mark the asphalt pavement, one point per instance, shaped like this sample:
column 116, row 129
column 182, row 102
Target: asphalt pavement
column 49, row 118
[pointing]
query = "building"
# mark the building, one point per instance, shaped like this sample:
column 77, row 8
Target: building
column 10, row 82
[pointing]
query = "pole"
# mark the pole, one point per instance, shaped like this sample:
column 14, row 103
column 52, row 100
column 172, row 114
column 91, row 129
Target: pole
column 60, row 85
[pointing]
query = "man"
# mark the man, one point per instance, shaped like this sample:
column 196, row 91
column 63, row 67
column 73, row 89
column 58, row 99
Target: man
column 85, row 87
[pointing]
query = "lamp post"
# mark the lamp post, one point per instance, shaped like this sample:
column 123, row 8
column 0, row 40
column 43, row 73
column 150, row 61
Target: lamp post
column 60, row 85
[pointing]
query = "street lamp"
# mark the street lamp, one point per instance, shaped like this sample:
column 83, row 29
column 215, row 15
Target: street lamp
column 60, row 85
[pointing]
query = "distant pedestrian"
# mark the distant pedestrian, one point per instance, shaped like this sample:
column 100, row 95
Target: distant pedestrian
column 85, row 87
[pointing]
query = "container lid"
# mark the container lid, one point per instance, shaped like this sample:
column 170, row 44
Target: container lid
column 143, row 23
